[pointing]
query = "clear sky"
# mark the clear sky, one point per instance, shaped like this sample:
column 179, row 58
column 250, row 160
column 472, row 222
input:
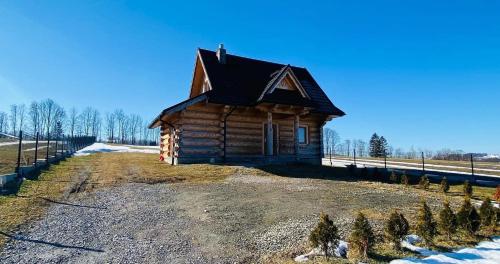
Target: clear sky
column 421, row 73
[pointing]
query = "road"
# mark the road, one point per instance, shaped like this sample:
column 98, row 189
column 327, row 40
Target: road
column 406, row 166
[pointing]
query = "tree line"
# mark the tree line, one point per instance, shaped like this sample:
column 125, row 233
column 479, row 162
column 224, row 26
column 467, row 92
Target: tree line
column 378, row 146
column 49, row 119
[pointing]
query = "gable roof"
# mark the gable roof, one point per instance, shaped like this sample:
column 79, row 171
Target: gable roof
column 244, row 81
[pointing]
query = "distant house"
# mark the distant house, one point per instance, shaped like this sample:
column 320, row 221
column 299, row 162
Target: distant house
column 246, row 110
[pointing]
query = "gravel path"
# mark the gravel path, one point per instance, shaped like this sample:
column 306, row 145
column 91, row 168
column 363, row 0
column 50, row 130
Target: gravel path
column 245, row 219
column 134, row 223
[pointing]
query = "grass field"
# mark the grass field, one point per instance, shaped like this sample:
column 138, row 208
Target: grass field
column 8, row 155
column 261, row 197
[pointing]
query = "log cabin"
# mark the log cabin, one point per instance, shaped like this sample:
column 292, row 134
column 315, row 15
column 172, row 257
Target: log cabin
column 246, row 110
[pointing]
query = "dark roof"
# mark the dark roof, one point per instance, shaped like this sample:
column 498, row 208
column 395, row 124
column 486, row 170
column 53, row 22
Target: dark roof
column 241, row 81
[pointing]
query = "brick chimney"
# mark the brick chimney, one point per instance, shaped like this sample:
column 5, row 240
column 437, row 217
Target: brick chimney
column 221, row 54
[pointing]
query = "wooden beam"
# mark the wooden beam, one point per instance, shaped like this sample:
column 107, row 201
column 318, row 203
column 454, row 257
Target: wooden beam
column 269, row 136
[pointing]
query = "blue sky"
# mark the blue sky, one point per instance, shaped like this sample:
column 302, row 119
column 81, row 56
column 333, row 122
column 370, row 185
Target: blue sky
column 421, row 73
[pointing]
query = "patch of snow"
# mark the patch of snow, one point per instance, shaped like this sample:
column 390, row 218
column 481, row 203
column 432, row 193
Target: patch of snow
column 17, row 142
column 485, row 252
column 339, row 251
column 101, row 147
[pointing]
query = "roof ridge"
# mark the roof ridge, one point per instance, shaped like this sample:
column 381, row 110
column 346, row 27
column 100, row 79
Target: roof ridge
column 257, row 60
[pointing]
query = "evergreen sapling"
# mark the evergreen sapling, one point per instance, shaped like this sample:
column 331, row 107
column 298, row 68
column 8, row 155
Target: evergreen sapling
column 467, row 217
column 426, row 226
column 396, row 228
column 325, row 235
column 447, row 220
column 445, row 186
column 361, row 239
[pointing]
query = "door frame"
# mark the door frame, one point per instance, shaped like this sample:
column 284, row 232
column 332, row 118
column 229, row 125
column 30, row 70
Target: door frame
column 263, row 138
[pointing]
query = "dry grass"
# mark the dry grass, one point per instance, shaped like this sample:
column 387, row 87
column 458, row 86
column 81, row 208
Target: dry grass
column 8, row 155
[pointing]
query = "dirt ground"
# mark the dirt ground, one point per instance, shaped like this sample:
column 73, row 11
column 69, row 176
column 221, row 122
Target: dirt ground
column 245, row 215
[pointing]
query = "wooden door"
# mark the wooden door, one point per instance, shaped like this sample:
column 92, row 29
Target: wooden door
column 275, row 139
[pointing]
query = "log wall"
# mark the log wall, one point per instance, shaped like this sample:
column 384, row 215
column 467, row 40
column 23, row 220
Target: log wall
column 199, row 136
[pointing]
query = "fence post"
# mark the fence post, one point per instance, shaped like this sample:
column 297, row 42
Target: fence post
column 354, row 157
column 385, row 160
column 19, row 149
column 472, row 168
column 48, row 147
column 423, row 163
column 36, row 148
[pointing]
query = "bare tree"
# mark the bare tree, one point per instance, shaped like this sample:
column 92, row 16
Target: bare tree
column 34, row 116
column 21, row 113
column 48, row 108
column 3, row 122
column 95, row 122
column 73, row 119
column 347, row 143
column 110, row 126
column 361, row 148
column 13, row 118
column 121, row 119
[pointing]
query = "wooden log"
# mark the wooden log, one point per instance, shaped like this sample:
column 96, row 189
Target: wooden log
column 188, row 127
column 200, row 142
column 193, row 121
column 200, row 134
column 244, row 144
column 244, row 131
column 244, row 137
column 201, row 115
column 238, row 124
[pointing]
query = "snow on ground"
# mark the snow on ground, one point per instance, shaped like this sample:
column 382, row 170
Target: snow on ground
column 101, row 147
column 17, row 142
column 339, row 251
column 485, row 252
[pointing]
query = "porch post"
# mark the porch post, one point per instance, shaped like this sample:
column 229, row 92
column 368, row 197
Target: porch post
column 269, row 137
column 296, row 136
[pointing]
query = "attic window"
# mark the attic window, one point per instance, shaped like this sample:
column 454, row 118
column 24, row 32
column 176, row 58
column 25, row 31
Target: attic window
column 286, row 84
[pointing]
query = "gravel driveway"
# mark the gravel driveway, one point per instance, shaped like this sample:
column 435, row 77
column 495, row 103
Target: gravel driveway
column 243, row 219
column 134, row 223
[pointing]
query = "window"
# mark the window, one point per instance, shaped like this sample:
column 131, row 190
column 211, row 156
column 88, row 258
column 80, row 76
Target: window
column 303, row 135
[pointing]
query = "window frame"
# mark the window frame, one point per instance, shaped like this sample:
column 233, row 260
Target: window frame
column 306, row 135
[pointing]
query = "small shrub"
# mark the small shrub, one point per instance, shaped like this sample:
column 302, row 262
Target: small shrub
column 467, row 217
column 404, row 179
column 426, row 226
column 496, row 196
column 361, row 239
column 396, row 228
column 424, row 182
column 325, row 234
column 393, row 177
column 447, row 220
column 467, row 189
column 445, row 186
column 486, row 212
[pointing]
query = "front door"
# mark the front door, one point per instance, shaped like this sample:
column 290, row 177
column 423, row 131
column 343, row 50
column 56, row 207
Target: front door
column 275, row 139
